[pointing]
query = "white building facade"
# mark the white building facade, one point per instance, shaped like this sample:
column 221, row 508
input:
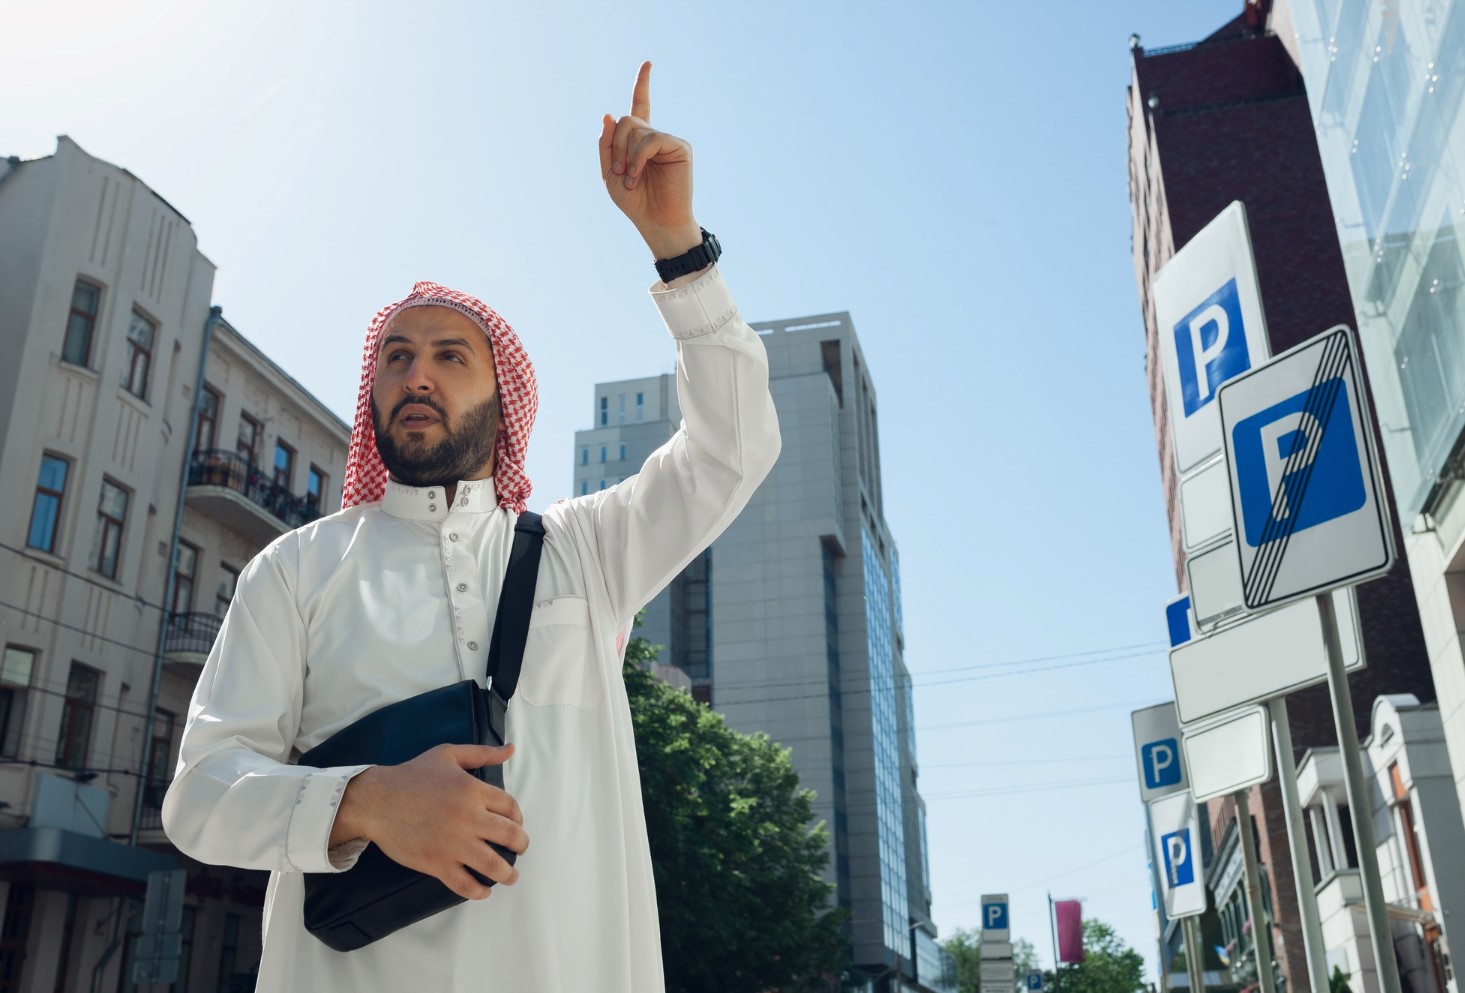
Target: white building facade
column 125, row 396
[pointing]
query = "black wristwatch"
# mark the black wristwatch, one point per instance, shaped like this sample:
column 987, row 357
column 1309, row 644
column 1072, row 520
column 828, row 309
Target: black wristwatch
column 698, row 258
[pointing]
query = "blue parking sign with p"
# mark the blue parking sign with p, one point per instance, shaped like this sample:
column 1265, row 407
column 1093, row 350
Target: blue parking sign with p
column 1297, row 463
column 1035, row 982
column 994, row 916
column 1210, row 347
column 1179, row 863
column 1161, row 761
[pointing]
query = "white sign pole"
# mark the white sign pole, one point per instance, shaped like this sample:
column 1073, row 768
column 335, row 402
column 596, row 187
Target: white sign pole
column 1195, row 954
column 1261, row 932
column 1360, row 805
column 1312, row 928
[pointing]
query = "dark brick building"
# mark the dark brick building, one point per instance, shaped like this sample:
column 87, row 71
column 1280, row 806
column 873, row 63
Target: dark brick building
column 1221, row 120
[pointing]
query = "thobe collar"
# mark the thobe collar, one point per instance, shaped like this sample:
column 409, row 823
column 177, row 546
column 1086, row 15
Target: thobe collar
column 430, row 503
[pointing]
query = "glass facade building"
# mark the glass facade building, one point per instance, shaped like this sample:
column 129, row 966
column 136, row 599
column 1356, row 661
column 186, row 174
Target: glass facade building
column 1386, row 85
column 879, row 618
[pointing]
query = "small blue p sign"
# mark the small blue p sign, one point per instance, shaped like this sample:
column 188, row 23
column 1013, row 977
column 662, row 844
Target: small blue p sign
column 994, row 916
column 1035, row 982
column 1161, row 760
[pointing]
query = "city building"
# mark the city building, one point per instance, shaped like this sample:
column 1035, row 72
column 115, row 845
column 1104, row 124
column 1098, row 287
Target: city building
column 147, row 452
column 1386, row 90
column 1221, row 120
column 1420, row 839
column 791, row 625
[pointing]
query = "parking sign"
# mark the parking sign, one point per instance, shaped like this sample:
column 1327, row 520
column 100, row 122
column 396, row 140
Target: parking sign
column 1174, row 827
column 1211, row 329
column 994, row 917
column 1157, row 751
column 1306, row 498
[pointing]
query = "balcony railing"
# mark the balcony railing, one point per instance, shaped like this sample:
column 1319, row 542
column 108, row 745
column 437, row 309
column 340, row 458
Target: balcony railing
column 220, row 467
column 152, row 806
column 191, row 633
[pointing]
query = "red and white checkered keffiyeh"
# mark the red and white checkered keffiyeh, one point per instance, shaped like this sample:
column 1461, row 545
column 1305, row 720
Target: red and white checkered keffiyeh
column 366, row 477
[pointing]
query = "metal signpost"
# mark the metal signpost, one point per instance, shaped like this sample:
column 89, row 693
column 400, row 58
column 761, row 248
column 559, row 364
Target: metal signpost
column 1310, row 516
column 997, row 973
column 160, row 945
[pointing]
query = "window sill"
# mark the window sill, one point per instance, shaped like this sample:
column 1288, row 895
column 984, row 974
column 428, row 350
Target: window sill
column 44, row 557
column 81, row 371
column 142, row 406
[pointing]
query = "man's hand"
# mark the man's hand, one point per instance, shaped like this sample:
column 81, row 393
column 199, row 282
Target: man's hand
column 429, row 814
column 648, row 174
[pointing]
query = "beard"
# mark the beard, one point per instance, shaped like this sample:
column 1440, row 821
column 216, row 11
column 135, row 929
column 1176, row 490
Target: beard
column 465, row 451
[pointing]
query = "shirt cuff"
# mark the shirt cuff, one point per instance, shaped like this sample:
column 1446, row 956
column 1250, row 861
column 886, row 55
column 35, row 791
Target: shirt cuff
column 307, row 839
column 699, row 308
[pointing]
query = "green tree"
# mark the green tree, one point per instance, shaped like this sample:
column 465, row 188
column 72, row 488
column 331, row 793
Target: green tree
column 965, row 946
column 1109, row 965
column 736, row 854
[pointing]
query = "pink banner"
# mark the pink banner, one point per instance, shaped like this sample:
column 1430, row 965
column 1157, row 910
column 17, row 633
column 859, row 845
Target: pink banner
column 1069, row 915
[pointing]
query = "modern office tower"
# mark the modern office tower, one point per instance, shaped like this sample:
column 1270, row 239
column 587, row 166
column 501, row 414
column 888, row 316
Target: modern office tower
column 147, row 452
column 791, row 623
column 1220, row 120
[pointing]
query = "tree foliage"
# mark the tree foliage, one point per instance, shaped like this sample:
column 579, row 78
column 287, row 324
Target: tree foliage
column 1109, row 965
column 736, row 855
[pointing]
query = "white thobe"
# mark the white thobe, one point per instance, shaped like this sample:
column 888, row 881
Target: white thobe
column 380, row 602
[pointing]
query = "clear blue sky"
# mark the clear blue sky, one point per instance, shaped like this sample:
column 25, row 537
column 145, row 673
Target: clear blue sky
column 953, row 175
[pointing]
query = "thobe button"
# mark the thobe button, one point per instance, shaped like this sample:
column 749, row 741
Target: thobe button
column 454, row 535
column 432, row 494
column 472, row 646
column 462, row 587
column 465, row 501
column 432, row 506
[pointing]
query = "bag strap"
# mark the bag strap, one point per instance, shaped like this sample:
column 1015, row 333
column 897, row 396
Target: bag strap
column 516, row 603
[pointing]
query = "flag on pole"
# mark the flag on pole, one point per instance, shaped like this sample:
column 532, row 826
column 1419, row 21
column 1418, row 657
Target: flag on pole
column 1069, row 917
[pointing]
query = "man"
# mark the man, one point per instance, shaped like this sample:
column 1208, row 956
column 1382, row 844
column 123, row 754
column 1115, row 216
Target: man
column 396, row 594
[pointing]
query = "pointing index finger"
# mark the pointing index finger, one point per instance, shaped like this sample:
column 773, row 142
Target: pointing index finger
column 641, row 95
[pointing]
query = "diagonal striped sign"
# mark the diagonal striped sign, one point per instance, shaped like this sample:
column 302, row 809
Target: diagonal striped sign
column 1305, row 493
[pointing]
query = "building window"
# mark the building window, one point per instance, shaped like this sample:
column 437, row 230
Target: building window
column 75, row 739
column 160, row 769
column 602, row 484
column 602, row 454
column 604, row 411
column 584, row 486
column 248, row 444
column 81, row 323
column 620, row 408
column 623, row 451
column 15, row 682
column 315, row 485
column 208, row 421
column 111, row 519
column 284, row 464
column 46, row 511
column 585, row 455
column 228, row 953
column 640, row 406
column 229, row 579
column 140, row 335
column 185, row 569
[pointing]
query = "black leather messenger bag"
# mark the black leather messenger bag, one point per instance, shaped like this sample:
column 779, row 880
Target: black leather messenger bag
column 377, row 896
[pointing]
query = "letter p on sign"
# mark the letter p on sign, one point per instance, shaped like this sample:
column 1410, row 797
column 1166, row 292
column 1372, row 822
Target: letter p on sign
column 1161, row 763
column 994, row 916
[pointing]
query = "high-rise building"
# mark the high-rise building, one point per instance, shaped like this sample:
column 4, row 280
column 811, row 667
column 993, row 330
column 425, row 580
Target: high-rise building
column 147, row 452
column 791, row 623
column 1220, row 120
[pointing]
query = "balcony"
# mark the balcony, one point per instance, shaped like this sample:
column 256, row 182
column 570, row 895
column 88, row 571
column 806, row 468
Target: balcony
column 239, row 495
column 188, row 640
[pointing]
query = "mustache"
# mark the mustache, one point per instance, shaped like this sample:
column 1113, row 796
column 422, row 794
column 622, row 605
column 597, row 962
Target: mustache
column 418, row 401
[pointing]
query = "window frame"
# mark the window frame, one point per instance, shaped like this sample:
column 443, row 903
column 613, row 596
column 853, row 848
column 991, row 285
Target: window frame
column 316, row 476
column 107, row 527
column 90, row 321
column 60, row 498
column 250, row 455
column 74, row 707
column 135, row 351
column 205, row 417
column 17, row 701
column 231, row 580
column 179, row 576
column 283, row 446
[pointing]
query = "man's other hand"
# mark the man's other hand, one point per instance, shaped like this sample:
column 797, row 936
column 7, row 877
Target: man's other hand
column 431, row 815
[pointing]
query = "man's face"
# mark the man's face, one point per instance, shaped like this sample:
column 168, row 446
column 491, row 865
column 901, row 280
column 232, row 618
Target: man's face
column 435, row 401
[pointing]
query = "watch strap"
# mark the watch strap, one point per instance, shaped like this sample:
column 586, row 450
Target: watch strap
column 699, row 257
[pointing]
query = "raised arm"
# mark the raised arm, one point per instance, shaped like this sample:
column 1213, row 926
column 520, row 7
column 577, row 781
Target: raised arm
column 649, row 527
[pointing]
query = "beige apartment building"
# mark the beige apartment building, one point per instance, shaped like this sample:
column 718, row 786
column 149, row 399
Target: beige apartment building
column 147, row 452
